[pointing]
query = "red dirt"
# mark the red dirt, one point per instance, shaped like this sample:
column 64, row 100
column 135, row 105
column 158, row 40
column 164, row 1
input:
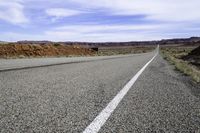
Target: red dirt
column 38, row 50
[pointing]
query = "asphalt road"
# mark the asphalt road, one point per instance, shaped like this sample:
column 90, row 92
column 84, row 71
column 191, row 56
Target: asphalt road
column 68, row 97
column 17, row 64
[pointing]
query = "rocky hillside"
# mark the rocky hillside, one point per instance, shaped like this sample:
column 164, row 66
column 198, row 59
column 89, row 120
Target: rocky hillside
column 194, row 57
column 38, row 50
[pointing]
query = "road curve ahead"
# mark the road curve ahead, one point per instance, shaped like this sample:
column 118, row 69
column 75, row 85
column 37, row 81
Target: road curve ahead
column 69, row 96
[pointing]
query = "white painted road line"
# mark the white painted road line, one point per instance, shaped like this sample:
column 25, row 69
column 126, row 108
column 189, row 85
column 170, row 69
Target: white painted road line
column 100, row 120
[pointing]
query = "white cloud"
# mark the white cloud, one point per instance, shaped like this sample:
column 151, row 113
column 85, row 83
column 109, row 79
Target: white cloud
column 114, row 33
column 165, row 10
column 104, row 33
column 12, row 11
column 169, row 19
column 62, row 12
column 84, row 29
column 99, row 33
column 68, row 36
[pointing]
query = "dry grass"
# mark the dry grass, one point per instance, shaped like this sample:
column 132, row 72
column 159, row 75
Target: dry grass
column 124, row 50
column 173, row 55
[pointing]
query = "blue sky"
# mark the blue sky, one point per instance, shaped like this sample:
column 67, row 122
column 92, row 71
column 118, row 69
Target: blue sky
column 98, row 20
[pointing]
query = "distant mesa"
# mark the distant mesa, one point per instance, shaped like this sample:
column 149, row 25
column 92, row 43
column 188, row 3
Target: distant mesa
column 176, row 41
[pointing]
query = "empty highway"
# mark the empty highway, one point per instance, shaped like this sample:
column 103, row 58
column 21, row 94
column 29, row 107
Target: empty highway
column 72, row 95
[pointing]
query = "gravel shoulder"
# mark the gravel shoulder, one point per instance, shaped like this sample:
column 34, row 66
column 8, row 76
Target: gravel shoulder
column 17, row 64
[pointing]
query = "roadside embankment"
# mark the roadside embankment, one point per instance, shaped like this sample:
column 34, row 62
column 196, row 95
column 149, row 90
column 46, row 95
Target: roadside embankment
column 177, row 56
column 42, row 50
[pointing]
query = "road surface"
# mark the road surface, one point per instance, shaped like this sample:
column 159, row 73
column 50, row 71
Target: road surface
column 67, row 97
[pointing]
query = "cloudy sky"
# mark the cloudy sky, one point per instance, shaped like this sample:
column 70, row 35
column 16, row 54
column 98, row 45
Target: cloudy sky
column 98, row 20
